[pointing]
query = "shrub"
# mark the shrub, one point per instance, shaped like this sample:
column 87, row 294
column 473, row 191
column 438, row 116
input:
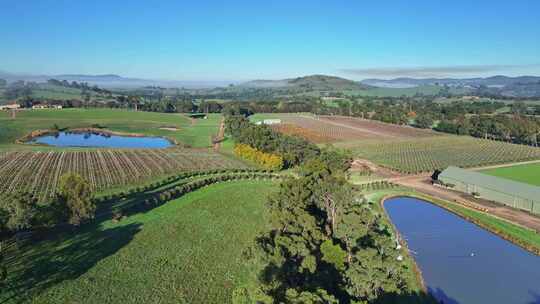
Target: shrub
column 266, row 160
column 74, row 193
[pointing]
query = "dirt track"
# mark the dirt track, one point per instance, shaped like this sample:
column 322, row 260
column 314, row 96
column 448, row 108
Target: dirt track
column 422, row 183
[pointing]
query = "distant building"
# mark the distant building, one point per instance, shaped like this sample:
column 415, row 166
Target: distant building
column 500, row 190
column 13, row 106
column 269, row 122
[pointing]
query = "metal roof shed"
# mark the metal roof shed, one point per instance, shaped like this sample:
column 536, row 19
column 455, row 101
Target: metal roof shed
column 505, row 191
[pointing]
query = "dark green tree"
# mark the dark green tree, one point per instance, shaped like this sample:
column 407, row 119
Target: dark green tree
column 75, row 195
column 17, row 212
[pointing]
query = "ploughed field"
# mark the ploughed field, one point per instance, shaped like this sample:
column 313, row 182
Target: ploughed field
column 404, row 149
column 39, row 172
column 323, row 129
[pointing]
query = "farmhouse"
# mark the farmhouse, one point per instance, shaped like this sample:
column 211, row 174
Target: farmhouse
column 507, row 192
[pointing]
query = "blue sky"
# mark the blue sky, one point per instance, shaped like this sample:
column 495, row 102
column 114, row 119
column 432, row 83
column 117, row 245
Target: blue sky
column 240, row 40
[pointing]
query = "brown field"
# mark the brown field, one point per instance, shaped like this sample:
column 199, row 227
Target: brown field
column 339, row 128
column 310, row 135
column 377, row 128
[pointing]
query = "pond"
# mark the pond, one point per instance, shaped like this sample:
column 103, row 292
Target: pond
column 70, row 139
column 461, row 262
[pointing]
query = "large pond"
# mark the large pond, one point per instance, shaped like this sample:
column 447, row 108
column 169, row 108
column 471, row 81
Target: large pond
column 462, row 263
column 69, row 139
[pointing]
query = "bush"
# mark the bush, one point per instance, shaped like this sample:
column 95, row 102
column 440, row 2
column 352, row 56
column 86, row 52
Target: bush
column 17, row 212
column 266, row 160
column 74, row 193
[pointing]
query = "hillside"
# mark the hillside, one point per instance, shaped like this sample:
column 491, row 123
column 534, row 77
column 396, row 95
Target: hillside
column 311, row 82
column 494, row 81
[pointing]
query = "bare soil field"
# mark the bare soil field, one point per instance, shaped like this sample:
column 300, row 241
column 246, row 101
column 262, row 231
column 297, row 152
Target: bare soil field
column 377, row 128
column 339, row 128
column 308, row 134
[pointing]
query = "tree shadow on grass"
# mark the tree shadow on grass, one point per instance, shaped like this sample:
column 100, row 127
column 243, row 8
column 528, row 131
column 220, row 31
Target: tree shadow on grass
column 43, row 264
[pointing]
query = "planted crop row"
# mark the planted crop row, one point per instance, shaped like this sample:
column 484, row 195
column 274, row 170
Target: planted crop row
column 429, row 154
column 39, row 172
column 152, row 195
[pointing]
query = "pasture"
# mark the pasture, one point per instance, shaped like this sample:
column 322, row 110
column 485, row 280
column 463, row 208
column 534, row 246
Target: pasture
column 189, row 250
column 526, row 173
column 193, row 134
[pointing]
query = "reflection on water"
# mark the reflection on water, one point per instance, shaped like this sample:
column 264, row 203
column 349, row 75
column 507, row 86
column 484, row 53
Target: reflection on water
column 66, row 139
column 462, row 263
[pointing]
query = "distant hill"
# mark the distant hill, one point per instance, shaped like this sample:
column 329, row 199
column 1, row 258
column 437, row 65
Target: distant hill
column 522, row 86
column 494, row 81
column 311, row 82
column 113, row 81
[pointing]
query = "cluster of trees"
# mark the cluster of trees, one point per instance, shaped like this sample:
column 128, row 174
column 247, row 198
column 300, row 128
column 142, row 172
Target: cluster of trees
column 293, row 150
column 324, row 245
column 73, row 204
column 84, row 86
column 20, row 211
column 19, row 89
column 266, row 160
column 515, row 129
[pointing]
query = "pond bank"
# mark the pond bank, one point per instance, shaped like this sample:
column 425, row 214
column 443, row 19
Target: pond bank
column 28, row 138
column 511, row 232
column 460, row 261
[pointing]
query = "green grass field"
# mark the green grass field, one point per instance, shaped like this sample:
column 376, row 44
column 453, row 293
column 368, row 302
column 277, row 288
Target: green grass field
column 186, row 251
column 196, row 135
column 528, row 173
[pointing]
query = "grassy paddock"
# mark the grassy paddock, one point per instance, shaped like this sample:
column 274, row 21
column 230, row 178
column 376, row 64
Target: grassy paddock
column 186, row 251
column 527, row 173
column 148, row 123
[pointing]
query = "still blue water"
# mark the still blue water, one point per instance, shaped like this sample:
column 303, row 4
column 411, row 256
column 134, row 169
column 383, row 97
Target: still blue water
column 462, row 263
column 63, row 139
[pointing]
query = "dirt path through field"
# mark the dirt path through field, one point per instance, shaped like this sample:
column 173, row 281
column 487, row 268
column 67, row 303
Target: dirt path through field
column 422, row 183
column 220, row 136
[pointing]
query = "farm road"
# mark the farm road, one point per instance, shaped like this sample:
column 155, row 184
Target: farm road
column 422, row 183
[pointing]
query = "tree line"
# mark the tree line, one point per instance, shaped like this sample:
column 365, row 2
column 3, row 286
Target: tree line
column 324, row 244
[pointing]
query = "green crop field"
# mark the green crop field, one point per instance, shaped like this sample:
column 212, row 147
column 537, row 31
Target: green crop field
column 149, row 123
column 527, row 173
column 186, row 251
column 439, row 152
